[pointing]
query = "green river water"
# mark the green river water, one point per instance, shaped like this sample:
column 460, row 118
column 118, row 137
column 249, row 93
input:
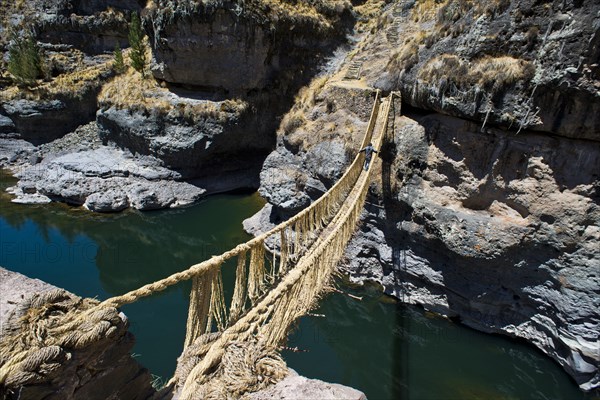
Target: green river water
column 385, row 349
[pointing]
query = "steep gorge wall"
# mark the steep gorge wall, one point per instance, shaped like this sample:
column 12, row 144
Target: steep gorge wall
column 517, row 64
column 491, row 229
column 238, row 58
column 224, row 72
column 492, row 216
column 237, row 47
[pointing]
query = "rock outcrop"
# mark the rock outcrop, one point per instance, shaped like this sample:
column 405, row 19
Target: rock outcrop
column 41, row 122
column 101, row 178
column 496, row 228
column 98, row 368
column 518, row 64
column 295, row 386
column 224, row 139
column 224, row 78
column 92, row 26
column 494, row 231
column 238, row 47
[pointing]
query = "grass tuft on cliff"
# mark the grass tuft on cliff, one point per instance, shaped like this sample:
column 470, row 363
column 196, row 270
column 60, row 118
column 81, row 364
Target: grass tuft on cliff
column 435, row 22
column 492, row 74
column 74, row 84
column 25, row 59
column 130, row 90
column 319, row 15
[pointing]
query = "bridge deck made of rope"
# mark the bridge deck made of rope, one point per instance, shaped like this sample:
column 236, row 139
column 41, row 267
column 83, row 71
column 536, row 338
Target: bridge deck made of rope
column 279, row 277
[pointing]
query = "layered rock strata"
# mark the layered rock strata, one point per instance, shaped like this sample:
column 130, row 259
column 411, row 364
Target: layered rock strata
column 224, row 77
column 495, row 227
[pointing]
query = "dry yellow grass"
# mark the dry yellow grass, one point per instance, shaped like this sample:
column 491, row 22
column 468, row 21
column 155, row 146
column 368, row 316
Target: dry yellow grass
column 307, row 95
column 131, row 91
column 79, row 81
column 406, row 56
column 490, row 73
column 426, row 10
column 303, row 102
column 73, row 84
column 369, row 12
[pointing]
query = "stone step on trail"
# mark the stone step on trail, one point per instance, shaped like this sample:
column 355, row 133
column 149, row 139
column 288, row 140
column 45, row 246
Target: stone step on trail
column 354, row 69
column 393, row 33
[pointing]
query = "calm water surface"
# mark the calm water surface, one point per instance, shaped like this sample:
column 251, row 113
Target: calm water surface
column 387, row 350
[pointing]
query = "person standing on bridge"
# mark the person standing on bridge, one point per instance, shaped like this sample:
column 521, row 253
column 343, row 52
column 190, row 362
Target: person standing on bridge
column 369, row 150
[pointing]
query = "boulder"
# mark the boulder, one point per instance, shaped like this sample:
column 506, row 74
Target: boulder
column 109, row 201
column 295, row 387
column 104, row 179
column 282, row 183
column 99, row 367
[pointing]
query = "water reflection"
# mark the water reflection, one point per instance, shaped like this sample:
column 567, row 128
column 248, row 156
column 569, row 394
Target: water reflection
column 132, row 248
column 391, row 351
column 100, row 255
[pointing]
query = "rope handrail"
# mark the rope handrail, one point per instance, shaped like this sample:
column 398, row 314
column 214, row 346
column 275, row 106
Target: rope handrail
column 265, row 300
column 271, row 317
column 149, row 289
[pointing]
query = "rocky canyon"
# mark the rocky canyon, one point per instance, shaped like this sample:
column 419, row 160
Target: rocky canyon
column 485, row 207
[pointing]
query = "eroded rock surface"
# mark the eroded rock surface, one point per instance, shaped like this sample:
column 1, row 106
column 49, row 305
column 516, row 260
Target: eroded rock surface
column 236, row 47
column 299, row 387
column 497, row 228
column 104, row 179
column 97, row 368
column 516, row 64
column 492, row 229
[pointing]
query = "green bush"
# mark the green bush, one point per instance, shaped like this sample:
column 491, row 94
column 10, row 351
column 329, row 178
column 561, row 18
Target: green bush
column 25, row 61
column 136, row 41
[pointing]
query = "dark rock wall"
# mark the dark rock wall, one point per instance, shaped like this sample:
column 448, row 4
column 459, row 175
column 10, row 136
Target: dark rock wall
column 235, row 49
column 224, row 53
column 92, row 26
column 207, row 146
column 499, row 231
column 43, row 121
column 559, row 39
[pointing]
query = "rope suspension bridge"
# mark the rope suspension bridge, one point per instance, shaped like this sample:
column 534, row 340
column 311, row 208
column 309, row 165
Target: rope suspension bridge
column 279, row 276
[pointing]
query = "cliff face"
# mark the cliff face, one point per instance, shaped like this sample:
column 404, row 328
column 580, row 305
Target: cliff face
column 500, row 232
column 519, row 64
column 243, row 46
column 90, row 25
column 222, row 74
column 487, row 206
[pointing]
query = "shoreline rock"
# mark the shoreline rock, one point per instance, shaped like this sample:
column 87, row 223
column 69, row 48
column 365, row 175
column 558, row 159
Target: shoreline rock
column 295, row 387
column 67, row 370
column 461, row 227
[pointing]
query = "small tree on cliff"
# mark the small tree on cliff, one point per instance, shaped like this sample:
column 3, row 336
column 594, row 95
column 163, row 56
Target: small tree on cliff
column 119, row 64
column 25, row 61
column 136, row 41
